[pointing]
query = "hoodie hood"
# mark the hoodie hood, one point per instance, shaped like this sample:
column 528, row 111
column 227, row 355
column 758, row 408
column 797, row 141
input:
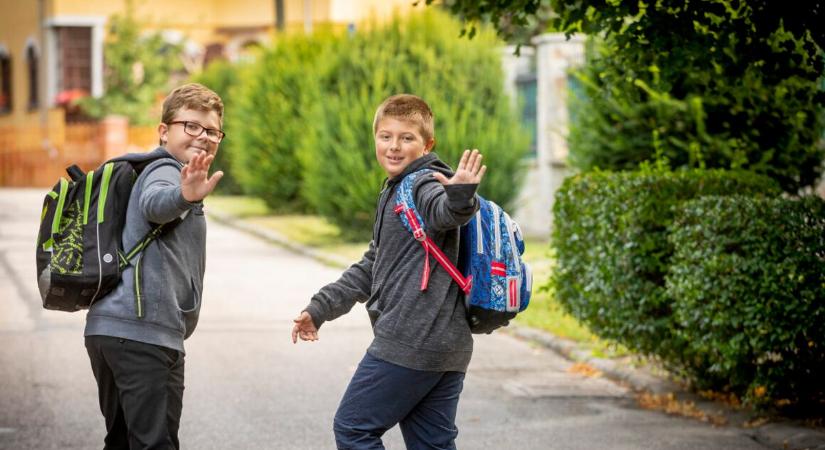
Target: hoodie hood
column 429, row 161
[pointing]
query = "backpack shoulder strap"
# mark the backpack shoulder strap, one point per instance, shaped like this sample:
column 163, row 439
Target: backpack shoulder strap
column 405, row 200
column 405, row 208
column 143, row 162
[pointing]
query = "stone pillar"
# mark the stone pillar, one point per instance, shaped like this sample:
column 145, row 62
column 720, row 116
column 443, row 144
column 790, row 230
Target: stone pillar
column 555, row 56
column 113, row 137
column 513, row 66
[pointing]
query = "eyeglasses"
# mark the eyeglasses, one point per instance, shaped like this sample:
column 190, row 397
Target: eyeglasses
column 195, row 129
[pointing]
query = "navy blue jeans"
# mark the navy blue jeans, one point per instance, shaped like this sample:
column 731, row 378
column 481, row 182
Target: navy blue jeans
column 382, row 394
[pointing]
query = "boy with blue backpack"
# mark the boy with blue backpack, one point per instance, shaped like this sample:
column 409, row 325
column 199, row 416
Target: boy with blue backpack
column 413, row 371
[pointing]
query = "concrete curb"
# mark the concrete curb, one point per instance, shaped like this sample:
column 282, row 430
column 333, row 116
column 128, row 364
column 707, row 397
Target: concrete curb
column 781, row 434
column 785, row 435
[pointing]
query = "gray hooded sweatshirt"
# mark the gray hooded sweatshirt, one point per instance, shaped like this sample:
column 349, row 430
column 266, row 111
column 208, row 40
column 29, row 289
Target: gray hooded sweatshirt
column 168, row 273
column 422, row 330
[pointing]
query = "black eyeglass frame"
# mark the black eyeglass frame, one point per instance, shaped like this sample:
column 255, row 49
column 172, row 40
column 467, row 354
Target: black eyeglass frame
column 186, row 123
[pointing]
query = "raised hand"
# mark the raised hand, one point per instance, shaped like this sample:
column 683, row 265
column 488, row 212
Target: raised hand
column 469, row 171
column 195, row 183
column 305, row 328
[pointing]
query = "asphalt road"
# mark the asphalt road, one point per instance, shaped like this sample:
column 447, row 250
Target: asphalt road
column 249, row 387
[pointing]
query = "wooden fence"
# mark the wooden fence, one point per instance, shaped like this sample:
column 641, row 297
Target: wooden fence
column 34, row 155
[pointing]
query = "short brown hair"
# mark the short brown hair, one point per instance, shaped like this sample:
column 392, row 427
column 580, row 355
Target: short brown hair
column 191, row 96
column 409, row 108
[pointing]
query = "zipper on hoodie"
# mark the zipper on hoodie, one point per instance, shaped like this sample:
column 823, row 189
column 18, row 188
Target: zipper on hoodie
column 138, row 291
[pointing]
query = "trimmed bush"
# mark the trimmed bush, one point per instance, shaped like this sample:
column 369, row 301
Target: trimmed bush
column 748, row 282
column 610, row 236
column 461, row 79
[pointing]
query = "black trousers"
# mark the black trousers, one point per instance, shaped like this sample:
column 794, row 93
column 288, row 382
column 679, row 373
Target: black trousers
column 140, row 387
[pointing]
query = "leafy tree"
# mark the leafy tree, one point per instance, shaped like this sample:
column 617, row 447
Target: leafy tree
column 515, row 21
column 721, row 84
column 715, row 83
column 138, row 70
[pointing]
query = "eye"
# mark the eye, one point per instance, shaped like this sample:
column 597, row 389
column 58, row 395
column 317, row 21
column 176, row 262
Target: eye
column 192, row 127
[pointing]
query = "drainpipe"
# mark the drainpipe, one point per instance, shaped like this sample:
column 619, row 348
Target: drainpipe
column 279, row 15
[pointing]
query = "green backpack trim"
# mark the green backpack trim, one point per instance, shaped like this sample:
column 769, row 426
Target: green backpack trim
column 104, row 191
column 88, row 197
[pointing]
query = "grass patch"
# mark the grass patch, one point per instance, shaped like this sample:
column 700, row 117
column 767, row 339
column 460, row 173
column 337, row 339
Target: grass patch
column 240, row 206
column 309, row 230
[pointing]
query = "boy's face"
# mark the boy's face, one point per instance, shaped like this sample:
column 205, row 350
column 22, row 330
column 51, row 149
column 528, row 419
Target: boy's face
column 178, row 134
column 397, row 144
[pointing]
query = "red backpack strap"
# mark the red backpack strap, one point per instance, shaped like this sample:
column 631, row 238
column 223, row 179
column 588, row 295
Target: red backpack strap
column 429, row 247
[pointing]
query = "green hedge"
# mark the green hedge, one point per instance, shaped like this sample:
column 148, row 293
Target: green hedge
column 610, row 237
column 747, row 281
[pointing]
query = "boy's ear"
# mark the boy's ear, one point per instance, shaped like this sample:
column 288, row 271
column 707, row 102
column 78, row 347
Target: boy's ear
column 428, row 148
column 163, row 131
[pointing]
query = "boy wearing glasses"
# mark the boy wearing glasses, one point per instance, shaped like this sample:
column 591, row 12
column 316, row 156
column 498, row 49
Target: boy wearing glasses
column 134, row 336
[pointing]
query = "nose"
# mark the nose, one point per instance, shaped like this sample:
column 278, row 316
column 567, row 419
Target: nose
column 202, row 136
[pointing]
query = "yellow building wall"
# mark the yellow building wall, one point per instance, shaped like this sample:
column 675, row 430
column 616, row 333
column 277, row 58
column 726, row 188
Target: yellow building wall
column 19, row 25
column 354, row 11
column 203, row 21
column 199, row 19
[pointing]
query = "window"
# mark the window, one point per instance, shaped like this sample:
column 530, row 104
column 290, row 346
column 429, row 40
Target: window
column 5, row 83
column 527, row 86
column 74, row 59
column 32, row 63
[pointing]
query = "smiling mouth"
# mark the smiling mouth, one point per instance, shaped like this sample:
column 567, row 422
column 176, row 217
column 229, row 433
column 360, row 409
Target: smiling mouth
column 395, row 158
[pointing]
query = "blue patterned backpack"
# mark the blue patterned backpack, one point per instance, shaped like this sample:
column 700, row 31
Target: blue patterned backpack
column 495, row 281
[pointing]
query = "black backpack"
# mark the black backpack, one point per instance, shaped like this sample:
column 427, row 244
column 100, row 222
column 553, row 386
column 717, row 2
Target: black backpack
column 80, row 254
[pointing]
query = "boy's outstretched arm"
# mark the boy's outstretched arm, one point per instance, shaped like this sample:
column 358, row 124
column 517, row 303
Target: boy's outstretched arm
column 336, row 299
column 169, row 192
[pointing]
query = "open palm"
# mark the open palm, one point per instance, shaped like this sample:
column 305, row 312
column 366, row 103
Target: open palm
column 469, row 170
column 195, row 183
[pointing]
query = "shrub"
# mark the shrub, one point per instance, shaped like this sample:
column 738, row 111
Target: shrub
column 422, row 54
column 272, row 117
column 610, row 236
column 747, row 279
column 222, row 77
